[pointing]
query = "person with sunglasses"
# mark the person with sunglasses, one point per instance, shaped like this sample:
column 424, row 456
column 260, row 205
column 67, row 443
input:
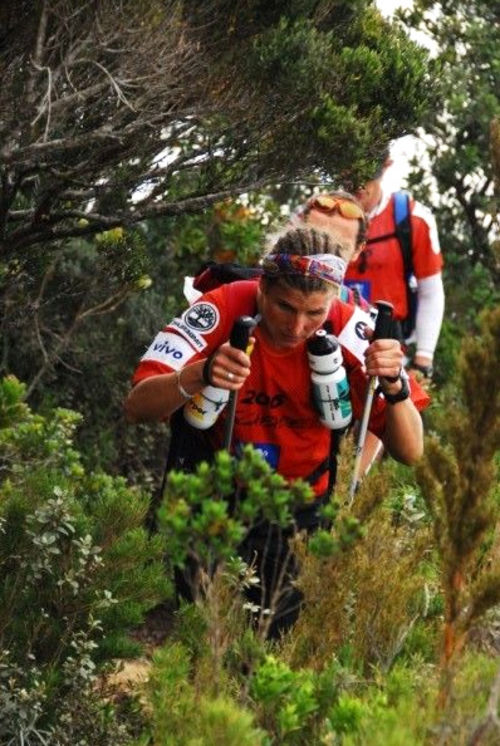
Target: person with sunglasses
column 342, row 216
column 402, row 267
column 296, row 295
column 337, row 213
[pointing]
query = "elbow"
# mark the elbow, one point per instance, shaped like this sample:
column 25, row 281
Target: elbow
column 410, row 450
column 413, row 455
column 407, row 446
column 129, row 410
column 407, row 456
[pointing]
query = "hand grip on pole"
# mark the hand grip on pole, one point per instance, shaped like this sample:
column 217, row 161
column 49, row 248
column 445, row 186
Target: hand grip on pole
column 240, row 333
column 383, row 330
column 383, row 324
column 239, row 338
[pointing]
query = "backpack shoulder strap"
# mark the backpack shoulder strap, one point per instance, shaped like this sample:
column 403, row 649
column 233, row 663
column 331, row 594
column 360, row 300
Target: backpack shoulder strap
column 402, row 222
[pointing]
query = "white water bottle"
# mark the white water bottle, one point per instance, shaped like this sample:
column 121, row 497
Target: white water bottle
column 329, row 379
column 204, row 408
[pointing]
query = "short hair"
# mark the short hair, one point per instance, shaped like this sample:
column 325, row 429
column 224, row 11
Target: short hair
column 304, row 241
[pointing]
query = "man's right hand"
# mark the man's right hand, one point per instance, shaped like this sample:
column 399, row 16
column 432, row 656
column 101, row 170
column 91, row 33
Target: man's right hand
column 229, row 367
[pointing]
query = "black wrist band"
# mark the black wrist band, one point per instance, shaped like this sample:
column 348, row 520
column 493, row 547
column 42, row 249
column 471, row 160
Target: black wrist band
column 205, row 371
column 392, row 379
column 426, row 370
column 403, row 394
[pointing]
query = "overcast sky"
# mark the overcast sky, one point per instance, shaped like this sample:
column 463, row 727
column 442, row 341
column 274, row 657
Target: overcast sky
column 389, row 6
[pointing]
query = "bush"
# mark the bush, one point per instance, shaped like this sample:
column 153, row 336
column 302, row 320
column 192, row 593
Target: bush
column 183, row 715
column 77, row 568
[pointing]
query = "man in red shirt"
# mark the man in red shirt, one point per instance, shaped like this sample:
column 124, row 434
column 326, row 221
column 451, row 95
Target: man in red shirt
column 378, row 270
column 296, row 295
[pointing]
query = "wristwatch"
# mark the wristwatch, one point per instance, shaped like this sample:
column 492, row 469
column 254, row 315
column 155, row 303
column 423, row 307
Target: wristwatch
column 426, row 370
column 401, row 395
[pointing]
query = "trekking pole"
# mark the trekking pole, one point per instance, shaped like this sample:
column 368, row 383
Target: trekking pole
column 382, row 330
column 240, row 334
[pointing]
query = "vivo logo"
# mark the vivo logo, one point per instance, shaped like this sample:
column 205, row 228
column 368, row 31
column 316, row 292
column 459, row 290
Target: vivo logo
column 166, row 349
column 169, row 349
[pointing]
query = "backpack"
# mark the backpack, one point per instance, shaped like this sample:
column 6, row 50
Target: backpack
column 402, row 222
column 213, row 274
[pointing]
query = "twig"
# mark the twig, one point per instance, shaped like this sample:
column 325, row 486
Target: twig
column 119, row 93
column 46, row 103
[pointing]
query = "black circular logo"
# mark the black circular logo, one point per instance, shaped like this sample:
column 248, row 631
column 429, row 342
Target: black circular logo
column 202, row 317
column 360, row 329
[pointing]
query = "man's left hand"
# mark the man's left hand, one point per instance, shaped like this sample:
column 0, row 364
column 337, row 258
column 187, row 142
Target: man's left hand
column 384, row 358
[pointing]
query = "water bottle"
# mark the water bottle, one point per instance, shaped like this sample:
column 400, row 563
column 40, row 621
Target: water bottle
column 203, row 409
column 329, row 379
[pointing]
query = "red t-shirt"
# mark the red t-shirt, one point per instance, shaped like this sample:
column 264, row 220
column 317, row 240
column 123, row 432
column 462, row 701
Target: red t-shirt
column 378, row 272
column 274, row 409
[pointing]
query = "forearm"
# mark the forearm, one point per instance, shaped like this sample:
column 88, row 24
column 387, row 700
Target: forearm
column 404, row 434
column 429, row 317
column 157, row 397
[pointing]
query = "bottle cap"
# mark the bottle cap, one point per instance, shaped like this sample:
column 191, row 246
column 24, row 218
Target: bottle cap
column 322, row 343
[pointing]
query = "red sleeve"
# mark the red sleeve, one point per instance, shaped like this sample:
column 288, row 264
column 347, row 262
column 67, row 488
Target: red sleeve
column 195, row 334
column 199, row 330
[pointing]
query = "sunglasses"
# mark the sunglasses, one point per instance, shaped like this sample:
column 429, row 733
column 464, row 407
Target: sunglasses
column 329, row 204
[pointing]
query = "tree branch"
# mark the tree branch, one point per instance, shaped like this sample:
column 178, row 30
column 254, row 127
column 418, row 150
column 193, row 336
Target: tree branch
column 95, row 222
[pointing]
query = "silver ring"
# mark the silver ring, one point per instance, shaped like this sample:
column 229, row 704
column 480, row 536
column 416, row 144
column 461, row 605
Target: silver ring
column 230, row 376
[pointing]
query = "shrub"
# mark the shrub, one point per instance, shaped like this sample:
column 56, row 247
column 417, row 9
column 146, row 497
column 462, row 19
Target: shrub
column 365, row 599
column 77, row 568
column 183, row 715
column 458, row 478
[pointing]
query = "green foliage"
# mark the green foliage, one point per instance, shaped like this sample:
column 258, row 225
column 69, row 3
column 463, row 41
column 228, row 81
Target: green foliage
column 288, row 702
column 77, row 568
column 227, row 92
column 458, row 481
column 80, row 714
column 12, row 407
column 86, row 308
column 121, row 256
column 367, row 597
column 282, row 706
column 182, row 716
column 459, row 135
column 195, row 514
column 401, row 708
column 471, row 712
column 375, row 723
column 360, row 100
column 286, row 706
column 22, row 701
